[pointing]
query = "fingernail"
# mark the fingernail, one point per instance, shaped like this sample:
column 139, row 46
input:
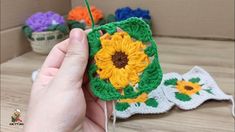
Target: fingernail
column 77, row 34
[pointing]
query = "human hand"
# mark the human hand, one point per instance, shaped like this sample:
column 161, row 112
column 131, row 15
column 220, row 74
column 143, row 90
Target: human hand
column 60, row 100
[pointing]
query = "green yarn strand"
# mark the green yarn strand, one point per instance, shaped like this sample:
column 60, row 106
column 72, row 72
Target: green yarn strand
column 89, row 10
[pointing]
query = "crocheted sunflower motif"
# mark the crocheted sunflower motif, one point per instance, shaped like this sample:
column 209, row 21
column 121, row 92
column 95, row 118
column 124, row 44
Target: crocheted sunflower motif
column 154, row 102
column 187, row 88
column 125, row 63
column 121, row 59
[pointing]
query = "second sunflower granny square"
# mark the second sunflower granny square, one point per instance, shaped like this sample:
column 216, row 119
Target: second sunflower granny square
column 186, row 91
column 153, row 103
column 191, row 89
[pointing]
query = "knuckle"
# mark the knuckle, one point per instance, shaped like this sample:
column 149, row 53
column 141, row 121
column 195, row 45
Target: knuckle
column 76, row 54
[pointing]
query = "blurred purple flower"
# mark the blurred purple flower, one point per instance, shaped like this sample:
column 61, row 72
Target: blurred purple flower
column 42, row 21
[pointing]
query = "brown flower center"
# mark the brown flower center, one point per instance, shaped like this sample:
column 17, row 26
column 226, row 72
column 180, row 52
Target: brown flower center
column 120, row 59
column 188, row 88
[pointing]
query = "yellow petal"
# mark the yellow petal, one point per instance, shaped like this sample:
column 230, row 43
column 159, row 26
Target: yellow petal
column 126, row 44
column 102, row 59
column 105, row 37
column 116, row 37
column 118, row 46
column 133, row 75
column 137, row 47
column 106, row 43
column 181, row 87
column 119, row 78
column 139, row 61
column 106, row 72
column 104, row 64
column 141, row 99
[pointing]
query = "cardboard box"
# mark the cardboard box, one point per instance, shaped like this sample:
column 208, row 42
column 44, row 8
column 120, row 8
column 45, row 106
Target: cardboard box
column 209, row 19
column 213, row 19
column 13, row 15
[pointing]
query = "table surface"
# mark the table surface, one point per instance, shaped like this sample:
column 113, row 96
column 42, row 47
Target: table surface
column 176, row 55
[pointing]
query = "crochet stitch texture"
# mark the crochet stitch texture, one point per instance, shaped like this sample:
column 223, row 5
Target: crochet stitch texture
column 81, row 14
column 121, row 59
column 124, row 64
column 191, row 89
column 187, row 91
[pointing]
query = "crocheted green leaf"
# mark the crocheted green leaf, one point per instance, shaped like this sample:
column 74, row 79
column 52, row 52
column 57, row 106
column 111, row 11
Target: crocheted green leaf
column 78, row 25
column 172, row 81
column 152, row 74
column 110, row 28
column 151, row 102
column 75, row 24
column 194, row 80
column 94, row 42
column 150, row 51
column 101, row 88
column 108, row 19
column 27, row 31
column 52, row 28
column 128, row 90
column 70, row 22
column 149, row 22
column 209, row 90
column 182, row 97
column 137, row 28
column 62, row 28
column 151, row 77
column 102, row 22
column 121, row 106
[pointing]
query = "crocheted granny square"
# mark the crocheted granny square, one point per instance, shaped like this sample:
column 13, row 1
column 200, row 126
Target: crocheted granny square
column 124, row 64
column 186, row 91
column 153, row 103
column 191, row 89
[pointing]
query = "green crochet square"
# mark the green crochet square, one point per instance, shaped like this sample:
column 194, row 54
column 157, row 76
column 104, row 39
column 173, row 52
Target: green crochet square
column 151, row 76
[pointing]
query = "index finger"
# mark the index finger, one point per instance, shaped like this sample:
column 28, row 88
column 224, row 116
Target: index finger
column 56, row 56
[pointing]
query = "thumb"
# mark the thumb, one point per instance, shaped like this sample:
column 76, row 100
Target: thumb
column 76, row 58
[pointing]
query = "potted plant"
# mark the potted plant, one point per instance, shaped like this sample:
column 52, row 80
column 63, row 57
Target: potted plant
column 126, row 12
column 45, row 30
column 79, row 17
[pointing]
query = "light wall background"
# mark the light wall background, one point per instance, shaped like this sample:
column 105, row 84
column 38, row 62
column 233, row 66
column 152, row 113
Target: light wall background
column 13, row 15
column 181, row 18
column 210, row 19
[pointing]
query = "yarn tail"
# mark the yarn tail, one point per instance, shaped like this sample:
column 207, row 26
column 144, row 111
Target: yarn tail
column 106, row 116
column 233, row 107
column 114, row 116
column 90, row 14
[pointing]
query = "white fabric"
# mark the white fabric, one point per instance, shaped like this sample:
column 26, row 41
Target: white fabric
column 163, row 106
column 207, row 81
column 34, row 75
column 165, row 95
